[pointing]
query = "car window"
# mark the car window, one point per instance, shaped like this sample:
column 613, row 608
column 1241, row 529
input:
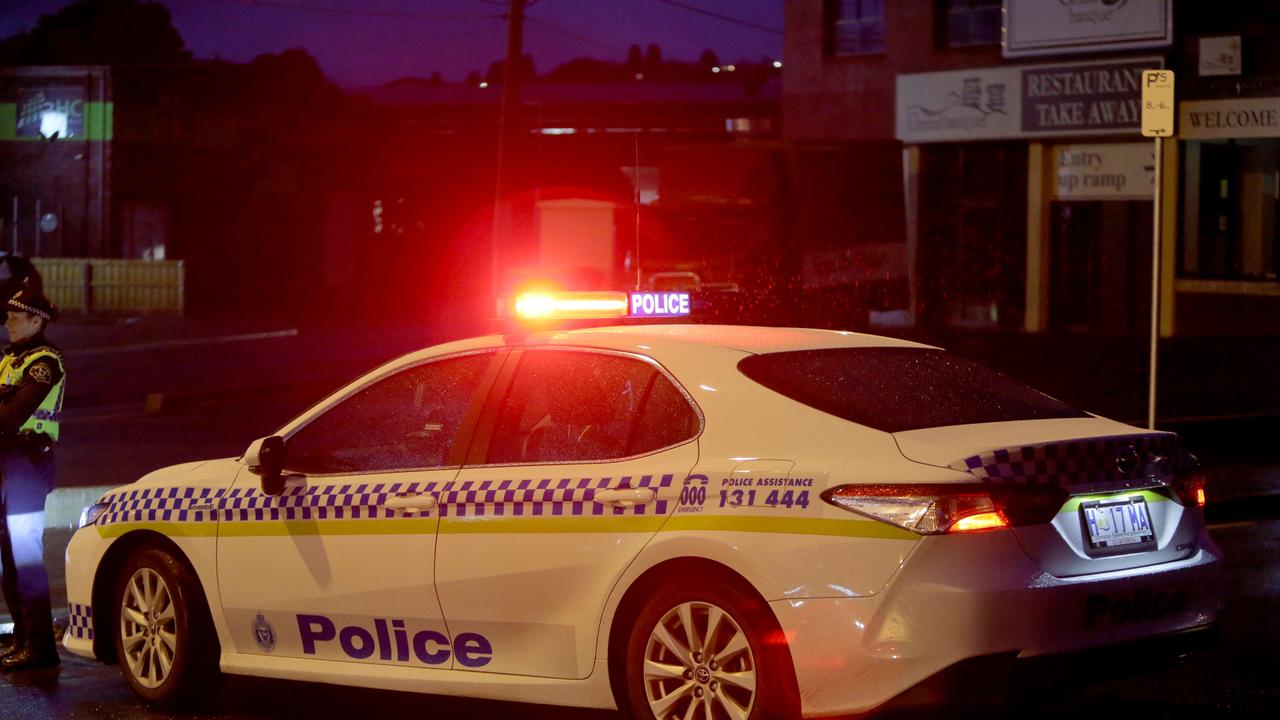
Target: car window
column 899, row 389
column 409, row 420
column 573, row 406
column 666, row 418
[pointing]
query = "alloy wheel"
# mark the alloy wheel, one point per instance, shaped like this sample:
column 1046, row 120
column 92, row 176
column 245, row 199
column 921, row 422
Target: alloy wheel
column 148, row 627
column 698, row 665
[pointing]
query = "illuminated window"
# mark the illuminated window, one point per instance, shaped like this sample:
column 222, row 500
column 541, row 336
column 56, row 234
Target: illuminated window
column 970, row 22
column 857, row 27
column 1231, row 204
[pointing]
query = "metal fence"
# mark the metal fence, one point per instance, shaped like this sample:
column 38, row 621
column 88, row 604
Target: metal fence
column 94, row 285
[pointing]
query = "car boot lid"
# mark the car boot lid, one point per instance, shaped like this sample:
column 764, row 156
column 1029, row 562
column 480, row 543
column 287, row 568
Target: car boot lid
column 1074, row 452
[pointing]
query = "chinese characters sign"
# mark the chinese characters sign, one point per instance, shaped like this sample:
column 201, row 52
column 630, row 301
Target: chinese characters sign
column 1028, row 101
column 1220, row 55
column 974, row 104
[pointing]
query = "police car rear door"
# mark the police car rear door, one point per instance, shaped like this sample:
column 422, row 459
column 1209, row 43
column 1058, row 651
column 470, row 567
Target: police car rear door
column 340, row 566
column 572, row 471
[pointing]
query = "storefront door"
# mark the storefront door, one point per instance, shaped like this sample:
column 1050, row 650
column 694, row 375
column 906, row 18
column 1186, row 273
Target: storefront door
column 1100, row 270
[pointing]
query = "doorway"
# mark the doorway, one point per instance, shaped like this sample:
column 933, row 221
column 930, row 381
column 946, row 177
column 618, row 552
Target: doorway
column 1100, row 272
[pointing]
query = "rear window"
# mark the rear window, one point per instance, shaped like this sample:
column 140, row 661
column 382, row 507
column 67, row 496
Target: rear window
column 898, row 389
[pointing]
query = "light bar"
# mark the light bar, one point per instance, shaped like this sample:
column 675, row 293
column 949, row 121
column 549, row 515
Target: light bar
column 569, row 305
column 547, row 305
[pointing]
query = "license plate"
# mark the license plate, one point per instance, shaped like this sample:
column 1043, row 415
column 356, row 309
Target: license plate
column 1118, row 523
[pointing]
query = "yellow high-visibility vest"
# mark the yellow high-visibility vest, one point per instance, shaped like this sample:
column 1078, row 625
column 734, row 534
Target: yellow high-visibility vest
column 46, row 418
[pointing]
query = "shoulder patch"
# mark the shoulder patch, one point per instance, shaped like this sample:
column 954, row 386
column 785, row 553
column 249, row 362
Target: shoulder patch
column 41, row 372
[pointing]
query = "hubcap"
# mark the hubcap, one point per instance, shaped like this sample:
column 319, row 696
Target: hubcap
column 698, row 666
column 148, row 628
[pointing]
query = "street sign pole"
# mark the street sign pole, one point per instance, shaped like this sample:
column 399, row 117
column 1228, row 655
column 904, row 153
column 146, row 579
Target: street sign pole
column 1157, row 122
column 1156, row 227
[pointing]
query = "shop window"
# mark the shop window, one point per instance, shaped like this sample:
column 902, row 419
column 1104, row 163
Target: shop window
column 968, row 23
column 145, row 227
column 972, row 256
column 1232, row 194
column 856, row 27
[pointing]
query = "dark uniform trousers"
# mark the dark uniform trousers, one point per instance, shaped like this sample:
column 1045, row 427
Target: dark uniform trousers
column 26, row 478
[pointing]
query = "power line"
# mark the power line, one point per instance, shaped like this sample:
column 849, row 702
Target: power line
column 330, row 10
column 718, row 16
column 585, row 38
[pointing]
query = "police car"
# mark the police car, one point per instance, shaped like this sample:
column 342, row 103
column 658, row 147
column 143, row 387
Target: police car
column 689, row 521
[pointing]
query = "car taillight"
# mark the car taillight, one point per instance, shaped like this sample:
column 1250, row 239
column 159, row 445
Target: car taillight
column 1189, row 480
column 1190, row 488
column 938, row 509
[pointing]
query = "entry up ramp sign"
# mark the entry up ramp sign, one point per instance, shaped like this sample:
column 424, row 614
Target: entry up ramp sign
column 1157, row 103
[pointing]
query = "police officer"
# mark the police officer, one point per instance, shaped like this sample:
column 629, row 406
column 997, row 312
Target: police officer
column 31, row 382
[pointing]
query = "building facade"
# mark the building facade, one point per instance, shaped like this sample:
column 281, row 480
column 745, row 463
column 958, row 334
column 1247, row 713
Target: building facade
column 55, row 160
column 1030, row 187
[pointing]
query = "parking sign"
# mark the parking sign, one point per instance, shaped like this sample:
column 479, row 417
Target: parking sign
column 1157, row 103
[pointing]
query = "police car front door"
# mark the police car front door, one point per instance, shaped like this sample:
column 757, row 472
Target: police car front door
column 578, row 467
column 339, row 566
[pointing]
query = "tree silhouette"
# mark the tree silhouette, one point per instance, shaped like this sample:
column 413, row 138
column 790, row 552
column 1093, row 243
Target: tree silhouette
column 653, row 56
column 635, row 59
column 292, row 75
column 99, row 32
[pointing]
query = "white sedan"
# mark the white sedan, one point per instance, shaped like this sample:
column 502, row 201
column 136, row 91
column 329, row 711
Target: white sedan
column 680, row 521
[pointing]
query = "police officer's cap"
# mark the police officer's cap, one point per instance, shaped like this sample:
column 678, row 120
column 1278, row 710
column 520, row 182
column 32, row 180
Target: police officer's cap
column 33, row 301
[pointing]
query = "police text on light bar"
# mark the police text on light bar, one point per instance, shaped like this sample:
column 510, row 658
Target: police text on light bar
column 659, row 304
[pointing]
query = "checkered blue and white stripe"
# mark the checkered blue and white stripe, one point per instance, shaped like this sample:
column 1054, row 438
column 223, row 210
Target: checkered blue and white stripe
column 160, row 505
column 531, row 497
column 1075, row 462
column 80, row 624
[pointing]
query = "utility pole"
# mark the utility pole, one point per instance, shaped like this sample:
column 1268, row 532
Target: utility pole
column 500, row 241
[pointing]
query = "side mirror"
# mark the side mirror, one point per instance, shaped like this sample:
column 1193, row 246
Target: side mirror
column 265, row 458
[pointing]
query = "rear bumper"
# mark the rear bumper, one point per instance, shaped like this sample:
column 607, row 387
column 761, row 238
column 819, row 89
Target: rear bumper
column 963, row 597
column 996, row 679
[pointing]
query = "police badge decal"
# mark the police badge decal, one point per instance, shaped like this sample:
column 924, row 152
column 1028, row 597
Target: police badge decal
column 41, row 373
column 264, row 634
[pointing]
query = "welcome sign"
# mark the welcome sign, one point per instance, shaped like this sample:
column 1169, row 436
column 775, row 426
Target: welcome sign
column 1233, row 118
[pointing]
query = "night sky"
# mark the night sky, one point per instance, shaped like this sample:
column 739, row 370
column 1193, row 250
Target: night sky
column 370, row 42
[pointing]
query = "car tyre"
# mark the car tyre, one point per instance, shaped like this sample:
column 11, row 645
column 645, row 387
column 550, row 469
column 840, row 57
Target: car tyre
column 713, row 653
column 165, row 641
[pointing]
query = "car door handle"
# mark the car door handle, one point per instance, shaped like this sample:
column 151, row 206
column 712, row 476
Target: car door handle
column 625, row 497
column 411, row 503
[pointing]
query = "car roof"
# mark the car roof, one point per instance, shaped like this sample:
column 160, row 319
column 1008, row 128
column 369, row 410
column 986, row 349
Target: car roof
column 744, row 338
column 666, row 343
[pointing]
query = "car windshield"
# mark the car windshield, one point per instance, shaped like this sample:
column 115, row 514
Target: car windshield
column 897, row 389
